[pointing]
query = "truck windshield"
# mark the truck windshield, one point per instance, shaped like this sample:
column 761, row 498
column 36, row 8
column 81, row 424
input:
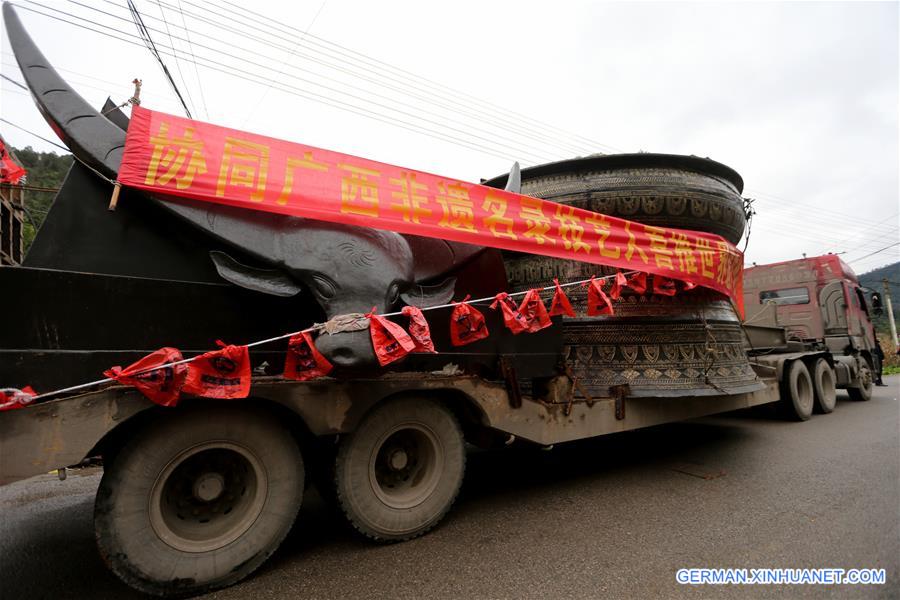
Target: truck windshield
column 786, row 296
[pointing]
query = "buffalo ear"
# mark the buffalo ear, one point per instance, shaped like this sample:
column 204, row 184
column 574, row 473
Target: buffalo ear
column 426, row 296
column 267, row 281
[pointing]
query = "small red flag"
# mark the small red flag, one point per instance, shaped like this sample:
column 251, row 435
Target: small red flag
column 419, row 330
column 303, row 361
column 638, row 282
column 466, row 324
column 162, row 385
column 619, row 283
column 598, row 302
column 223, row 374
column 514, row 321
column 391, row 342
column 663, row 286
column 689, row 285
column 11, row 398
column 534, row 312
column 560, row 304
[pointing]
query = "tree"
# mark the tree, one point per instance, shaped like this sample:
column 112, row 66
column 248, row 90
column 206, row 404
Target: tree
column 45, row 169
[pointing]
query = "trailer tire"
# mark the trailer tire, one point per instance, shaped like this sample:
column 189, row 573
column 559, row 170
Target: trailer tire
column 198, row 501
column 797, row 392
column 823, row 379
column 863, row 391
column 398, row 474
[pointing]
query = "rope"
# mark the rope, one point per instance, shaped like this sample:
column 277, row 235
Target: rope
column 316, row 327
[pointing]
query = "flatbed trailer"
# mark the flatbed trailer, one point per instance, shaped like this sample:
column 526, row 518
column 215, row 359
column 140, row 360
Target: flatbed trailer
column 197, row 496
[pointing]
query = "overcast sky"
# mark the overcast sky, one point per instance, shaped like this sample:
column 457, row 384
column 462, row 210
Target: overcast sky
column 800, row 98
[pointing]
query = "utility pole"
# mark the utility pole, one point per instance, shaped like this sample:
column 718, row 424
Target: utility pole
column 890, row 310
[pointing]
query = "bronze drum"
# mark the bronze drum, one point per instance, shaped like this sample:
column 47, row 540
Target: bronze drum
column 687, row 345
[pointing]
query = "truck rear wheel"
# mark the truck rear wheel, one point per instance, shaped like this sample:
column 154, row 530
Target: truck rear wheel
column 797, row 392
column 863, row 391
column 398, row 474
column 198, row 501
column 824, row 386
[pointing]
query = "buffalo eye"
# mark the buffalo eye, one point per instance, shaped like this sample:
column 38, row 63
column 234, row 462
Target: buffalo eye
column 324, row 286
column 393, row 294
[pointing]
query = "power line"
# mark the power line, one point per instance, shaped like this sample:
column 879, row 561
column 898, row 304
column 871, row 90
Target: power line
column 253, row 78
column 11, row 80
column 269, row 59
column 187, row 34
column 407, row 74
column 281, row 70
column 187, row 88
column 874, row 253
column 148, row 42
column 376, row 78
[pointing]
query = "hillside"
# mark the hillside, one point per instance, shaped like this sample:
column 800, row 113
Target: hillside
column 46, row 170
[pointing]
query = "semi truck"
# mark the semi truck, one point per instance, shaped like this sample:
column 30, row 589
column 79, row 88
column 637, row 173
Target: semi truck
column 197, row 496
column 808, row 320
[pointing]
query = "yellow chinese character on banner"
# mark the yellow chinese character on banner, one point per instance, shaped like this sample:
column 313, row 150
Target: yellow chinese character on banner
column 730, row 267
column 633, row 246
column 570, row 229
column 244, row 164
column 601, row 227
column 687, row 262
column 537, row 222
column 497, row 205
column 359, row 194
column 291, row 165
column 458, row 210
column 410, row 203
column 178, row 158
column 658, row 247
column 707, row 257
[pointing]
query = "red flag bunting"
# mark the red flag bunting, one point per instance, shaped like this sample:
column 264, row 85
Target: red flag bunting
column 534, row 312
column 560, row 304
column 619, row 284
column 223, row 374
column 419, row 330
column 466, row 324
column 638, row 282
column 303, row 361
column 514, row 321
column 12, row 398
column 664, row 286
column 10, row 172
column 390, row 340
column 598, row 302
column 163, row 384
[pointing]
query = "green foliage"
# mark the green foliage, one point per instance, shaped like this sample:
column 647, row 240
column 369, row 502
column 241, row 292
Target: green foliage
column 45, row 169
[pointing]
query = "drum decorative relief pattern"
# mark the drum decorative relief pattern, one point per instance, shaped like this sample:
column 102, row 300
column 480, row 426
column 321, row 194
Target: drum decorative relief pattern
column 686, row 345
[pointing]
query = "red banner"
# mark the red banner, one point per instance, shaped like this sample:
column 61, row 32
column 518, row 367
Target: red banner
column 178, row 156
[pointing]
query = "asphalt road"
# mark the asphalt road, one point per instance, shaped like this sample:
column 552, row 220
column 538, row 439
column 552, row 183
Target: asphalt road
column 615, row 516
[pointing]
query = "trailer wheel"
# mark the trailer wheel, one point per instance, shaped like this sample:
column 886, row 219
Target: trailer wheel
column 797, row 392
column 198, row 501
column 864, row 390
column 397, row 475
column 824, row 386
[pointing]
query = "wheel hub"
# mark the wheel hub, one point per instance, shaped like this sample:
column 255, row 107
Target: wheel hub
column 209, row 487
column 399, row 460
column 207, row 497
column 405, row 467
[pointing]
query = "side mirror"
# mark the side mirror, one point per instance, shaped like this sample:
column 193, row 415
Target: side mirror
column 876, row 304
